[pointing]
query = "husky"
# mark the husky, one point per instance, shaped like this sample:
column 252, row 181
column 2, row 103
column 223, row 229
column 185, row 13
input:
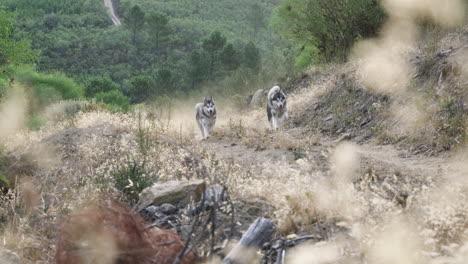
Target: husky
column 277, row 110
column 206, row 116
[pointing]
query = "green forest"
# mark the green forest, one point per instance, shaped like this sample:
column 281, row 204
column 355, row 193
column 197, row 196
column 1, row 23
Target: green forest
column 70, row 49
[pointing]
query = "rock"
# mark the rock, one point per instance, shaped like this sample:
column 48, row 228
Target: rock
column 257, row 98
column 153, row 209
column 9, row 257
column 152, row 213
column 327, row 118
column 358, row 139
column 173, row 192
column 168, row 209
column 108, row 132
column 344, row 136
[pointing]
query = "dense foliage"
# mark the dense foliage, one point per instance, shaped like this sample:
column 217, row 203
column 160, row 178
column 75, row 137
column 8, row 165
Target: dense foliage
column 172, row 48
column 328, row 28
column 162, row 47
column 13, row 50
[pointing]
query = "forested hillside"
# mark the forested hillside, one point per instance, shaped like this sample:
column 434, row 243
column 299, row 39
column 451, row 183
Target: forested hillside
column 162, row 48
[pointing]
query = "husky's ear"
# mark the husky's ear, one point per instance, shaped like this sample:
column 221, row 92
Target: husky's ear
column 211, row 98
column 204, row 99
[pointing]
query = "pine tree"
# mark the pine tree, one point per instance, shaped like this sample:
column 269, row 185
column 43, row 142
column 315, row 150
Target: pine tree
column 158, row 28
column 213, row 46
column 135, row 21
column 252, row 57
column 199, row 68
column 256, row 18
column 230, row 58
column 165, row 80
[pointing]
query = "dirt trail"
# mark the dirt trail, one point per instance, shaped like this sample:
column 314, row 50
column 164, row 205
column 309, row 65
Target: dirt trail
column 385, row 160
column 111, row 11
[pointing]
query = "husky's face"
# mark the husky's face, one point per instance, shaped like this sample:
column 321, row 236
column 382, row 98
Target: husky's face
column 209, row 107
column 278, row 101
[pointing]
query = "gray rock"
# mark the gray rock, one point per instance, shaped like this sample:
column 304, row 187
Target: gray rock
column 173, row 192
column 153, row 209
column 152, row 213
column 327, row 118
column 9, row 257
column 344, row 136
column 258, row 97
column 168, row 209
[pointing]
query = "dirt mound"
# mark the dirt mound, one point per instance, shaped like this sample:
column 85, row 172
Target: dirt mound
column 108, row 232
column 346, row 108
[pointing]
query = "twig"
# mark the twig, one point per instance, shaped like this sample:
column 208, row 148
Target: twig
column 213, row 224
column 279, row 256
column 195, row 224
column 233, row 212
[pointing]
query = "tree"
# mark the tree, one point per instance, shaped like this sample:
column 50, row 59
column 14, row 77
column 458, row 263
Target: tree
column 158, row 28
column 13, row 51
column 330, row 25
column 256, row 18
column 252, row 57
column 213, row 46
column 199, row 68
column 230, row 58
column 135, row 20
column 165, row 80
column 141, row 88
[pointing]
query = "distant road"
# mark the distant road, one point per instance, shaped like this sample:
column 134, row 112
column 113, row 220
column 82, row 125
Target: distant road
column 111, row 12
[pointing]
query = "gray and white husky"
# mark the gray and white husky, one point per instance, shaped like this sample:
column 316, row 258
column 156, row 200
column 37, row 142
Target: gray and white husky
column 277, row 110
column 206, row 116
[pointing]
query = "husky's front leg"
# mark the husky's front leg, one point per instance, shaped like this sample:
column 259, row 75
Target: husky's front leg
column 205, row 130
column 211, row 128
column 274, row 121
column 200, row 126
column 283, row 118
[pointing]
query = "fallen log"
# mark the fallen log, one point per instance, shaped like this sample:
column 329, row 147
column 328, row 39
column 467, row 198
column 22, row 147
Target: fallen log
column 259, row 232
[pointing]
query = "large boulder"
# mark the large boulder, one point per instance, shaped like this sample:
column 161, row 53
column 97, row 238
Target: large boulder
column 258, row 98
column 171, row 192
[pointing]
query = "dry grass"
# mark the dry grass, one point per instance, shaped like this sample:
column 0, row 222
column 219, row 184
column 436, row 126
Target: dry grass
column 306, row 199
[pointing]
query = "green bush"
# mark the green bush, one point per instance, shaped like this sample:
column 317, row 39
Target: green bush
column 305, row 58
column 57, row 85
column 114, row 100
column 98, row 85
column 4, row 182
column 132, row 179
column 3, row 87
column 140, row 88
column 36, row 121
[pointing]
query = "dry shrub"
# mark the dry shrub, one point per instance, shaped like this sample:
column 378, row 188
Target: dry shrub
column 108, row 232
column 319, row 253
column 383, row 64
